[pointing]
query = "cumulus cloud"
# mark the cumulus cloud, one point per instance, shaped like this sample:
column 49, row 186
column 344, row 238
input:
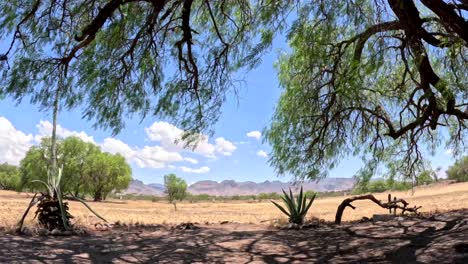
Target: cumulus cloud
column 224, row 146
column 114, row 146
column 191, row 160
column 170, row 137
column 13, row 143
column 254, row 134
column 155, row 157
column 262, row 153
column 201, row 170
column 45, row 130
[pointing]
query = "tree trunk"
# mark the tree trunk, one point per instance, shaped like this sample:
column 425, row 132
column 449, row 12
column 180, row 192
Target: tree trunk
column 98, row 196
column 395, row 204
column 175, row 206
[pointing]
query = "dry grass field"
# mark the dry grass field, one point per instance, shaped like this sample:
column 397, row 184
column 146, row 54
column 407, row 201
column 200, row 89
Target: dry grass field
column 439, row 197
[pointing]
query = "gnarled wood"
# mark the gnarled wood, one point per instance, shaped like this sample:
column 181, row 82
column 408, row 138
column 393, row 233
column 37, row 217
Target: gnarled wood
column 395, row 204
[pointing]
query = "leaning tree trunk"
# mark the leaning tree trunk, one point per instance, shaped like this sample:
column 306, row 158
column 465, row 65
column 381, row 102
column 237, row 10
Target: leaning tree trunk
column 391, row 204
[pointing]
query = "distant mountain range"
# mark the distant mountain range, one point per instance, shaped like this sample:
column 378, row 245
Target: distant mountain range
column 231, row 187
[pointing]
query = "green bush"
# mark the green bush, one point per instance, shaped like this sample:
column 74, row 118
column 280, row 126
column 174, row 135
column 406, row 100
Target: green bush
column 459, row 170
column 9, row 177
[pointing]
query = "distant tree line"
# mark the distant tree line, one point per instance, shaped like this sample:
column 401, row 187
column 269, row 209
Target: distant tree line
column 86, row 170
column 206, row 197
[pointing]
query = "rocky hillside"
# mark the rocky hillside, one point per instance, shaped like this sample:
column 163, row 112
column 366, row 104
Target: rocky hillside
column 230, row 187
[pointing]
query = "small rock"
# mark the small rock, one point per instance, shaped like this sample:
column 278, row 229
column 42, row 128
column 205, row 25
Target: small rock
column 224, row 222
column 399, row 218
column 55, row 232
column 26, row 231
column 382, row 217
column 43, row 232
column 67, row 233
column 292, row 226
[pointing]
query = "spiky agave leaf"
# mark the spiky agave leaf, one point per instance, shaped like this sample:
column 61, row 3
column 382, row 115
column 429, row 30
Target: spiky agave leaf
column 281, row 208
column 296, row 208
column 87, row 206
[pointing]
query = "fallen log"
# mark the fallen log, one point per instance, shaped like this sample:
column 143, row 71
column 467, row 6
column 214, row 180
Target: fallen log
column 391, row 204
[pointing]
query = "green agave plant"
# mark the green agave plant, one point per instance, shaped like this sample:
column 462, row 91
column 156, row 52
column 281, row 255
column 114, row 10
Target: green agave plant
column 52, row 211
column 296, row 209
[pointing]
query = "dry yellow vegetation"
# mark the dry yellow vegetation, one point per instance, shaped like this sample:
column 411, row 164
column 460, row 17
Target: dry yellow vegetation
column 438, row 197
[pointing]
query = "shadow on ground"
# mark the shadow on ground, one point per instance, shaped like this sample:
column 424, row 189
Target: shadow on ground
column 439, row 239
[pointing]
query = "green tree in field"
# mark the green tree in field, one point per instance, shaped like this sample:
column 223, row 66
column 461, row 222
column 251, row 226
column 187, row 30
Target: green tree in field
column 459, row 170
column 73, row 156
column 106, row 173
column 425, row 177
column 9, row 177
column 81, row 164
column 176, row 188
column 376, row 79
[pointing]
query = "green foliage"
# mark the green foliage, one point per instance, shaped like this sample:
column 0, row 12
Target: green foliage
column 459, row 170
column 86, row 170
column 9, row 177
column 349, row 91
column 425, row 177
column 378, row 186
column 296, row 209
column 119, row 58
column 105, row 173
column 176, row 188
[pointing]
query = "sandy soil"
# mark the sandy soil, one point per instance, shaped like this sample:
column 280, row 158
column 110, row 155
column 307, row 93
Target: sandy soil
column 440, row 197
column 442, row 238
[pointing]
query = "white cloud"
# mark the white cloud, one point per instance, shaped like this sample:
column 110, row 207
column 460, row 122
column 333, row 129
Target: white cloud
column 201, row 170
column 262, row 153
column 45, row 130
column 170, row 137
column 224, row 146
column 449, row 151
column 155, row 157
column 13, row 143
column 254, row 134
column 191, row 160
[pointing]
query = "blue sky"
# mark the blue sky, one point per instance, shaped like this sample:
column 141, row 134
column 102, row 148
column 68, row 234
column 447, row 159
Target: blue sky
column 148, row 146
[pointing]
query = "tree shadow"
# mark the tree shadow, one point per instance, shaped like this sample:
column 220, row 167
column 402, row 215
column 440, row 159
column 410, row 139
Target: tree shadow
column 414, row 241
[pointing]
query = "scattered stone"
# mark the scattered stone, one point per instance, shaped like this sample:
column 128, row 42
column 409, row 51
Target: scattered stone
column 399, row 218
column 224, row 222
column 364, row 219
column 67, row 233
column 43, row 232
column 101, row 227
column 310, row 225
column 292, row 226
column 26, row 231
column 186, row 226
column 382, row 217
column 55, row 232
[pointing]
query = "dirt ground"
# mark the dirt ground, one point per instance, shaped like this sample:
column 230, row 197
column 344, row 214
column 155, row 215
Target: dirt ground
column 441, row 238
column 438, row 197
